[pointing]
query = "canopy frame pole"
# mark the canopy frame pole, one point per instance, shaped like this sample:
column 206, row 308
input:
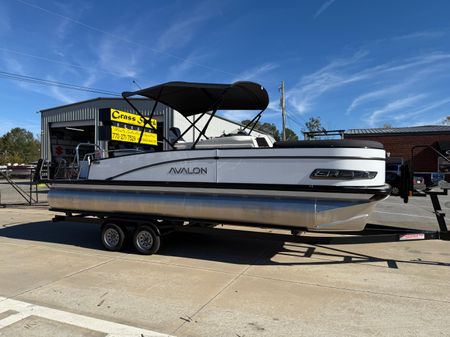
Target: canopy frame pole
column 214, row 108
column 189, row 127
column 254, row 121
column 149, row 119
column 193, row 123
column 145, row 119
column 202, row 133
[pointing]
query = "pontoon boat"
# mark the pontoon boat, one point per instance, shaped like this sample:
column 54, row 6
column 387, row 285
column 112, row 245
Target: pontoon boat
column 320, row 185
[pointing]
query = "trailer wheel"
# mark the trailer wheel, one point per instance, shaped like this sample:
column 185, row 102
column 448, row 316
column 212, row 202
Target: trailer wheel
column 112, row 236
column 146, row 240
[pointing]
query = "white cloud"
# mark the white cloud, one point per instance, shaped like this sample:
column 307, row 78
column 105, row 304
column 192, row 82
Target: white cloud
column 180, row 69
column 369, row 96
column 58, row 94
column 184, row 27
column 62, row 28
column 255, row 73
column 120, row 61
column 179, row 33
column 417, row 112
column 68, row 11
column 427, row 34
column 274, row 105
column 323, row 8
column 334, row 75
column 348, row 71
column 90, row 80
column 376, row 116
column 238, row 115
column 431, row 121
column 12, row 65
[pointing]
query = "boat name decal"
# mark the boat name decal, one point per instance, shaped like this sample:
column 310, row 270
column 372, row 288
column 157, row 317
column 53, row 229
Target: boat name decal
column 188, row 170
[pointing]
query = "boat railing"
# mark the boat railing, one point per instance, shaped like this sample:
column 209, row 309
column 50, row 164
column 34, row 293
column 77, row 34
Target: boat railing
column 78, row 168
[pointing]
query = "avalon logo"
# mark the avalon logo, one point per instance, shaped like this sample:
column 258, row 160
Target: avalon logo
column 188, row 170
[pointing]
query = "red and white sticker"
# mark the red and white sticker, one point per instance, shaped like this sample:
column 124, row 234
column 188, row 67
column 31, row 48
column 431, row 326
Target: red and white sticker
column 412, row 236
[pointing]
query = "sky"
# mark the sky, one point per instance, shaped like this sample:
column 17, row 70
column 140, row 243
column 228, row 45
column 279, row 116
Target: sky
column 353, row 63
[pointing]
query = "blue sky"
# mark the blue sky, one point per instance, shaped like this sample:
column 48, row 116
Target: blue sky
column 354, row 63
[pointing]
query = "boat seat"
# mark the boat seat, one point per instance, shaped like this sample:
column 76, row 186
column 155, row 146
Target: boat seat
column 174, row 133
column 337, row 143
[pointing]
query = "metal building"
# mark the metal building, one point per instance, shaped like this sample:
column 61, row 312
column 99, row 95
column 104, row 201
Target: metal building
column 63, row 127
column 66, row 126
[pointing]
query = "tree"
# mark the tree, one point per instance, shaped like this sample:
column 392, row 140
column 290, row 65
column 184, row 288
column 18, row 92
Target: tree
column 272, row 130
column 291, row 135
column 387, row 126
column 269, row 128
column 19, row 146
column 313, row 124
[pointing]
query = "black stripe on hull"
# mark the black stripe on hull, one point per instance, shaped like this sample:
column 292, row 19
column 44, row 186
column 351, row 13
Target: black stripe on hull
column 382, row 190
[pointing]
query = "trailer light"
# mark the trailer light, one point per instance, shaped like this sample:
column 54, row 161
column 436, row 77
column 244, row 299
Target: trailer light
column 342, row 174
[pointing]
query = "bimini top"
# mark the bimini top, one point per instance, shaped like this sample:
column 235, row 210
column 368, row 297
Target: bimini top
column 193, row 98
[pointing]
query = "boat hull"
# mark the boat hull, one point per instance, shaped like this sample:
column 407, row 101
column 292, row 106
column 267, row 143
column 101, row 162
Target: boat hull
column 313, row 211
column 275, row 187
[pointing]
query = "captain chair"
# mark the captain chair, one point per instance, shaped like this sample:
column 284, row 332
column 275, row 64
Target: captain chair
column 174, row 133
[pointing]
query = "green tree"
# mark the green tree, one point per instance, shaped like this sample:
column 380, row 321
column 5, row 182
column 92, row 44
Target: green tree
column 291, row 135
column 268, row 128
column 19, row 146
column 313, row 124
column 272, row 130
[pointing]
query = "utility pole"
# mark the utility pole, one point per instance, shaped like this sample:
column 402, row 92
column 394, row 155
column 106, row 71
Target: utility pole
column 283, row 110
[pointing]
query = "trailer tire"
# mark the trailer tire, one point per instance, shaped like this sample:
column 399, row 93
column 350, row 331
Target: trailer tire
column 146, row 240
column 112, row 236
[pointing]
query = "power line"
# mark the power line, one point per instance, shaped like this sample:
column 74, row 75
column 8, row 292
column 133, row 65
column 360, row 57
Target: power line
column 118, row 37
column 290, row 116
column 51, row 83
column 293, row 120
column 57, row 61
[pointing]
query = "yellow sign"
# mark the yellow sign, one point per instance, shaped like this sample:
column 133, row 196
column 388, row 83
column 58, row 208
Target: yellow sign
column 129, row 118
column 132, row 136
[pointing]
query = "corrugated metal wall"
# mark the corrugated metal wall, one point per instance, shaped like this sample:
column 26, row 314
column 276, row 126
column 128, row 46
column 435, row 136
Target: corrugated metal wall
column 88, row 111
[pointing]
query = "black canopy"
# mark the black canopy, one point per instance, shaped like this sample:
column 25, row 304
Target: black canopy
column 193, row 98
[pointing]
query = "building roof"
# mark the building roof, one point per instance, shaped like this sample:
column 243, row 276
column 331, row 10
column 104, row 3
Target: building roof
column 92, row 100
column 424, row 129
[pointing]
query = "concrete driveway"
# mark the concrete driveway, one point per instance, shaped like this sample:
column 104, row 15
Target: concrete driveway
column 55, row 279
